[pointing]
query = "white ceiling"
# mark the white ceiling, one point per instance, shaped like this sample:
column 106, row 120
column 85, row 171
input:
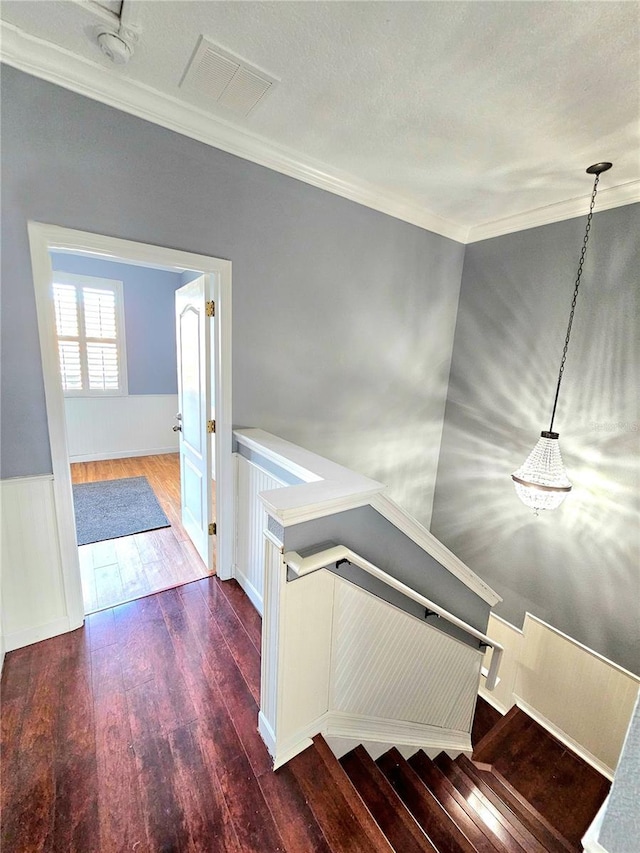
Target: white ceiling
column 468, row 118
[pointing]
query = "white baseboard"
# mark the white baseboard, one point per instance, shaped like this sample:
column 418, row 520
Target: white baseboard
column 398, row 733
column 346, row 731
column 293, row 745
column 266, row 733
column 255, row 597
column 490, row 699
column 564, row 738
column 36, row 634
column 590, row 841
column 122, row 454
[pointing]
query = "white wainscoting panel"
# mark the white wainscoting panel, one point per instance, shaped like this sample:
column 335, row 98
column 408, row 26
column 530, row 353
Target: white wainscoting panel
column 337, row 660
column 251, row 522
column 272, row 623
column 33, row 599
column 117, row 427
column 390, row 665
column 583, row 699
column 306, row 652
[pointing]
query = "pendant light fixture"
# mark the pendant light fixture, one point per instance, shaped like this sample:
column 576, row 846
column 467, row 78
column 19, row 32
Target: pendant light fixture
column 542, row 482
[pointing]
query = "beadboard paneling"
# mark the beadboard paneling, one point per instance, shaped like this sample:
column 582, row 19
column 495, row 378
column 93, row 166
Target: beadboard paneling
column 33, row 600
column 115, row 427
column 392, row 666
column 581, row 697
column 251, row 523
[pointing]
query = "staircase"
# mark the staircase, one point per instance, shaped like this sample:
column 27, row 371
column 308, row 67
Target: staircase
column 447, row 805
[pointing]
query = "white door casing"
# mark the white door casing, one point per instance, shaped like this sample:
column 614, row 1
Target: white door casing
column 44, row 238
column 193, row 343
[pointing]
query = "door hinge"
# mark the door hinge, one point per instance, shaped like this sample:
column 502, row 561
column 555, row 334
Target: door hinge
column 211, row 309
column 213, row 529
column 211, row 426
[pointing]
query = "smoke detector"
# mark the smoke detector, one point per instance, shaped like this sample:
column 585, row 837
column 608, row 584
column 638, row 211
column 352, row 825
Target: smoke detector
column 115, row 47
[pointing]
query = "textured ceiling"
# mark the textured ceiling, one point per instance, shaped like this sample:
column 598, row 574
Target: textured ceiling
column 473, row 111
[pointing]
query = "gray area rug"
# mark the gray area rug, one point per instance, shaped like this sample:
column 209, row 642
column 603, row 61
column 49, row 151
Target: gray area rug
column 112, row 508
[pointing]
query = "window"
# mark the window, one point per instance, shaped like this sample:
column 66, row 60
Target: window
column 90, row 328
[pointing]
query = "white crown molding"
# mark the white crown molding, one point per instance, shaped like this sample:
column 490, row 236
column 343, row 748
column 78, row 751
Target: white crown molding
column 608, row 198
column 60, row 66
column 64, row 68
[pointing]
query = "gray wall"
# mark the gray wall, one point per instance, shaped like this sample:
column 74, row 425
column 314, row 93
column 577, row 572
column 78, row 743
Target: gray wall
column 371, row 536
column 149, row 318
column 343, row 318
column 576, row 567
column 620, row 829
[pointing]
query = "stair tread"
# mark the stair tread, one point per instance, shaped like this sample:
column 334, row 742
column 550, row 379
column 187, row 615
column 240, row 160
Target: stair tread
column 528, row 814
column 438, row 825
column 488, row 830
column 524, row 821
column 338, row 810
column 363, row 814
column 514, row 720
column 384, row 804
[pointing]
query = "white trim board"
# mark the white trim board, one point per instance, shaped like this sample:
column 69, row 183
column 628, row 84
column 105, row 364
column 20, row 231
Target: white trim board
column 43, row 238
column 64, row 68
column 331, row 488
column 564, row 738
column 579, row 696
column 115, row 427
column 122, row 454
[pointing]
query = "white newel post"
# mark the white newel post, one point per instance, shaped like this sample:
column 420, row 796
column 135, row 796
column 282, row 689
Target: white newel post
column 296, row 656
column 275, row 577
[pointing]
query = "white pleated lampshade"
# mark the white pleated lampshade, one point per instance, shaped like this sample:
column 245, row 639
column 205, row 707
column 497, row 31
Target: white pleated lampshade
column 542, row 481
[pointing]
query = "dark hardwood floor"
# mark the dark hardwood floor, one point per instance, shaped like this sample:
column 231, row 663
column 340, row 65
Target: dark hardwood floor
column 138, row 732
column 562, row 787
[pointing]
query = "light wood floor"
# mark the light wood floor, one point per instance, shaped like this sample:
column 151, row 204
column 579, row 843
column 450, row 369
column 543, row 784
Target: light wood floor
column 119, row 570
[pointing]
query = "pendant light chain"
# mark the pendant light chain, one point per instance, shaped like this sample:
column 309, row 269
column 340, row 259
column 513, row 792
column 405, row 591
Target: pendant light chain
column 575, row 297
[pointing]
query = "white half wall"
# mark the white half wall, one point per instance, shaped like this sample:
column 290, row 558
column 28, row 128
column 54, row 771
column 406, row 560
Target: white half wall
column 251, row 522
column 583, row 699
column 34, row 606
column 116, row 427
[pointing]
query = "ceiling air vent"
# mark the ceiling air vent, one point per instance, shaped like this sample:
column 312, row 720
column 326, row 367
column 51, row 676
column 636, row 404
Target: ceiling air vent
column 226, row 79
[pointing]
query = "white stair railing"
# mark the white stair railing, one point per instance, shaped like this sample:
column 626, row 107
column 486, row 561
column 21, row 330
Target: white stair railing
column 301, row 566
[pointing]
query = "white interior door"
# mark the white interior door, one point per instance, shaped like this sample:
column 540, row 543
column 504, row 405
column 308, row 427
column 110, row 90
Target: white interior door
column 193, row 339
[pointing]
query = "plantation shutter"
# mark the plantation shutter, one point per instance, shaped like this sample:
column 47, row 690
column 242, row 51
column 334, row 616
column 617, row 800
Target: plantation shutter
column 102, row 346
column 88, row 345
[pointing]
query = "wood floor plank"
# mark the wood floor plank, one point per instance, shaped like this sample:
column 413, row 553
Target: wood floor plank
column 76, row 821
column 238, row 641
column 146, row 562
column 208, row 820
column 244, row 609
column 237, row 696
column 121, row 824
column 28, row 817
column 101, row 629
column 291, row 812
column 252, row 820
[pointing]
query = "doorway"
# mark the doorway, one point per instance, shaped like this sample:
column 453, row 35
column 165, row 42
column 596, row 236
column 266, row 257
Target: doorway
column 161, row 470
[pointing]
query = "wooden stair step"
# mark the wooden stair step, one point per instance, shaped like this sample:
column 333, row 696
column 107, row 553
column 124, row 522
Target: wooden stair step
column 513, row 722
column 494, row 784
column 389, row 811
column 438, row 825
column 483, row 827
column 345, row 821
column 471, row 785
